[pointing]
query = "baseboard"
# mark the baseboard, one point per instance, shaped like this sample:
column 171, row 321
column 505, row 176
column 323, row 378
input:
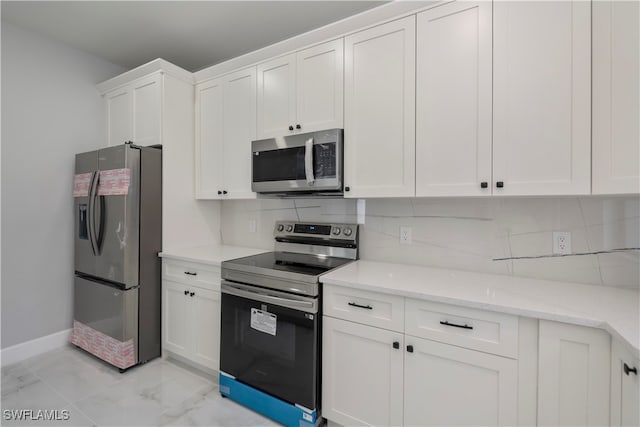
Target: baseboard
column 19, row 352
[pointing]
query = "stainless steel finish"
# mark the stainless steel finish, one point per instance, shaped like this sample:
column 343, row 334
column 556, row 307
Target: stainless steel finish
column 107, row 309
column 308, row 305
column 279, row 280
column 320, row 185
column 332, row 251
column 335, row 231
column 127, row 245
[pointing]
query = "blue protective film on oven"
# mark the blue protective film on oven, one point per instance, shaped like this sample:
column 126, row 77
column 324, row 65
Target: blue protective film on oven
column 265, row 404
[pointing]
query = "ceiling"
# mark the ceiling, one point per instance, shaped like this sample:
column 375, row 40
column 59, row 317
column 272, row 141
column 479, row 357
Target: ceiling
column 191, row 34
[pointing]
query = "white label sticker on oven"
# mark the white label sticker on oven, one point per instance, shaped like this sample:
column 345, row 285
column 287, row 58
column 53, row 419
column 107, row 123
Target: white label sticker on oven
column 263, row 321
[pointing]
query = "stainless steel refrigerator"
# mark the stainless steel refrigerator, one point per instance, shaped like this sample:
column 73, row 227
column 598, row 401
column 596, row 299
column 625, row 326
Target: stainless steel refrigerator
column 118, row 234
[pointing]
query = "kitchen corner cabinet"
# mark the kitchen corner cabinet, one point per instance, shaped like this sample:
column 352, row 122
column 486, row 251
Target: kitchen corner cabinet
column 134, row 112
column 379, row 152
column 541, row 97
column 573, row 375
column 191, row 312
column 625, row 386
column 225, row 126
column 616, row 97
column 453, row 104
column 301, row 92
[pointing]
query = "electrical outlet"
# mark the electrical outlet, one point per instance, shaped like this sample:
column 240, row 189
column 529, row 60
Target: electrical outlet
column 253, row 226
column 405, row 235
column 561, row 242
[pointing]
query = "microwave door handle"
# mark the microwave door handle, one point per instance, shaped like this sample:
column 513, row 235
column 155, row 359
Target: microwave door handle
column 308, row 161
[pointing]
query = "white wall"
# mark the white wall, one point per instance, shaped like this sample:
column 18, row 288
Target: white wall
column 50, row 111
column 510, row 236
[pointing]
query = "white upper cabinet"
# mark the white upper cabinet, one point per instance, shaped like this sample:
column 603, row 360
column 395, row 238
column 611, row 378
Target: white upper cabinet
column 301, row 92
column 453, row 105
column 616, row 97
column 541, row 97
column 208, row 148
column 225, row 127
column 134, row 112
column 380, row 111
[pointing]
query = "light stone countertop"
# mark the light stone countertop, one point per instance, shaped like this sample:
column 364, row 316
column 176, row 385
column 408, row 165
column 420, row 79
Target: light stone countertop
column 616, row 310
column 211, row 255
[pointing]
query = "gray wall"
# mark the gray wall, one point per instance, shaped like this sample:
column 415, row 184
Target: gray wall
column 50, row 110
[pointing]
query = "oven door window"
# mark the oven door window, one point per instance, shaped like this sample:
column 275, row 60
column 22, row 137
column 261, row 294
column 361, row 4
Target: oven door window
column 275, row 355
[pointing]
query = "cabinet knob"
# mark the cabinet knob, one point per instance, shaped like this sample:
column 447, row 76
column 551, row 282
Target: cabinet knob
column 290, row 127
column 186, row 292
column 396, row 344
column 224, row 191
column 219, row 192
column 346, row 189
column 484, row 184
column 410, row 348
column 499, row 184
column 192, row 294
column 298, row 127
column 627, row 369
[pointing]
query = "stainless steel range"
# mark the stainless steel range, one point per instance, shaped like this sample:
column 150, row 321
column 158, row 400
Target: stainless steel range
column 271, row 315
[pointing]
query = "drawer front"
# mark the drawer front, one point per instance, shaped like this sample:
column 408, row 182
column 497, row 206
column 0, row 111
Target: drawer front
column 369, row 308
column 192, row 274
column 486, row 331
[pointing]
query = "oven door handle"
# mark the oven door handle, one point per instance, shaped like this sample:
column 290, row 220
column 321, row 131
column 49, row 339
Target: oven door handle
column 257, row 295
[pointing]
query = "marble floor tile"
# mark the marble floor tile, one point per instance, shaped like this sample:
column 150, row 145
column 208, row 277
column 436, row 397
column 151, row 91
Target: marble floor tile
column 81, row 390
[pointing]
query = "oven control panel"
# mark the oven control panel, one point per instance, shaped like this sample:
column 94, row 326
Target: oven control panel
column 316, row 230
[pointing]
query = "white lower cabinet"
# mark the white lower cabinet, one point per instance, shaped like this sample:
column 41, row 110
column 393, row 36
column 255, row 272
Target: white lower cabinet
column 362, row 374
column 573, row 375
column 625, row 387
column 448, row 385
column 191, row 313
column 376, row 376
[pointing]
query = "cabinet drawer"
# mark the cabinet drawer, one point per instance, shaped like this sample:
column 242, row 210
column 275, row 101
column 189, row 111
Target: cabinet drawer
column 370, row 308
column 486, row 331
column 192, row 274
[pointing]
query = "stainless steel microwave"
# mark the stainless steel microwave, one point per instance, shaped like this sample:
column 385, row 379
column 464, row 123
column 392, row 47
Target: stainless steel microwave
column 307, row 163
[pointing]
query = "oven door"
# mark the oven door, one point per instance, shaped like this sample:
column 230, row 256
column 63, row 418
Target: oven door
column 270, row 340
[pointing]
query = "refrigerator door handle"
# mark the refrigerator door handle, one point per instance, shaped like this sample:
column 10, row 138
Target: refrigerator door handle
column 91, row 212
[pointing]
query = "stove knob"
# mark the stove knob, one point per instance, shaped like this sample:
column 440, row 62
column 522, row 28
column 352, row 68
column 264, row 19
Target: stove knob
column 280, row 227
column 336, row 231
column 347, row 232
column 289, row 228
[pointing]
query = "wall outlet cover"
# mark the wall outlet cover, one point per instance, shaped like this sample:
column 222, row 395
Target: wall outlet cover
column 405, row 235
column 561, row 242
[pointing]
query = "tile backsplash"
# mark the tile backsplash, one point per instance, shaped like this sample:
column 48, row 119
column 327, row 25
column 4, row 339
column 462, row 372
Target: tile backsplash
column 511, row 236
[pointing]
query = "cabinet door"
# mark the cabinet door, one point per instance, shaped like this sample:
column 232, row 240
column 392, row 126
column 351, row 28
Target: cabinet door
column 239, row 124
column 209, row 139
column 320, row 95
column 542, row 103
column 119, row 116
column 361, row 374
column 379, row 153
column 276, row 97
column 453, row 105
column 147, row 110
column 448, row 385
column 573, row 375
column 175, row 318
column 204, row 306
column 616, row 97
column 625, row 387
